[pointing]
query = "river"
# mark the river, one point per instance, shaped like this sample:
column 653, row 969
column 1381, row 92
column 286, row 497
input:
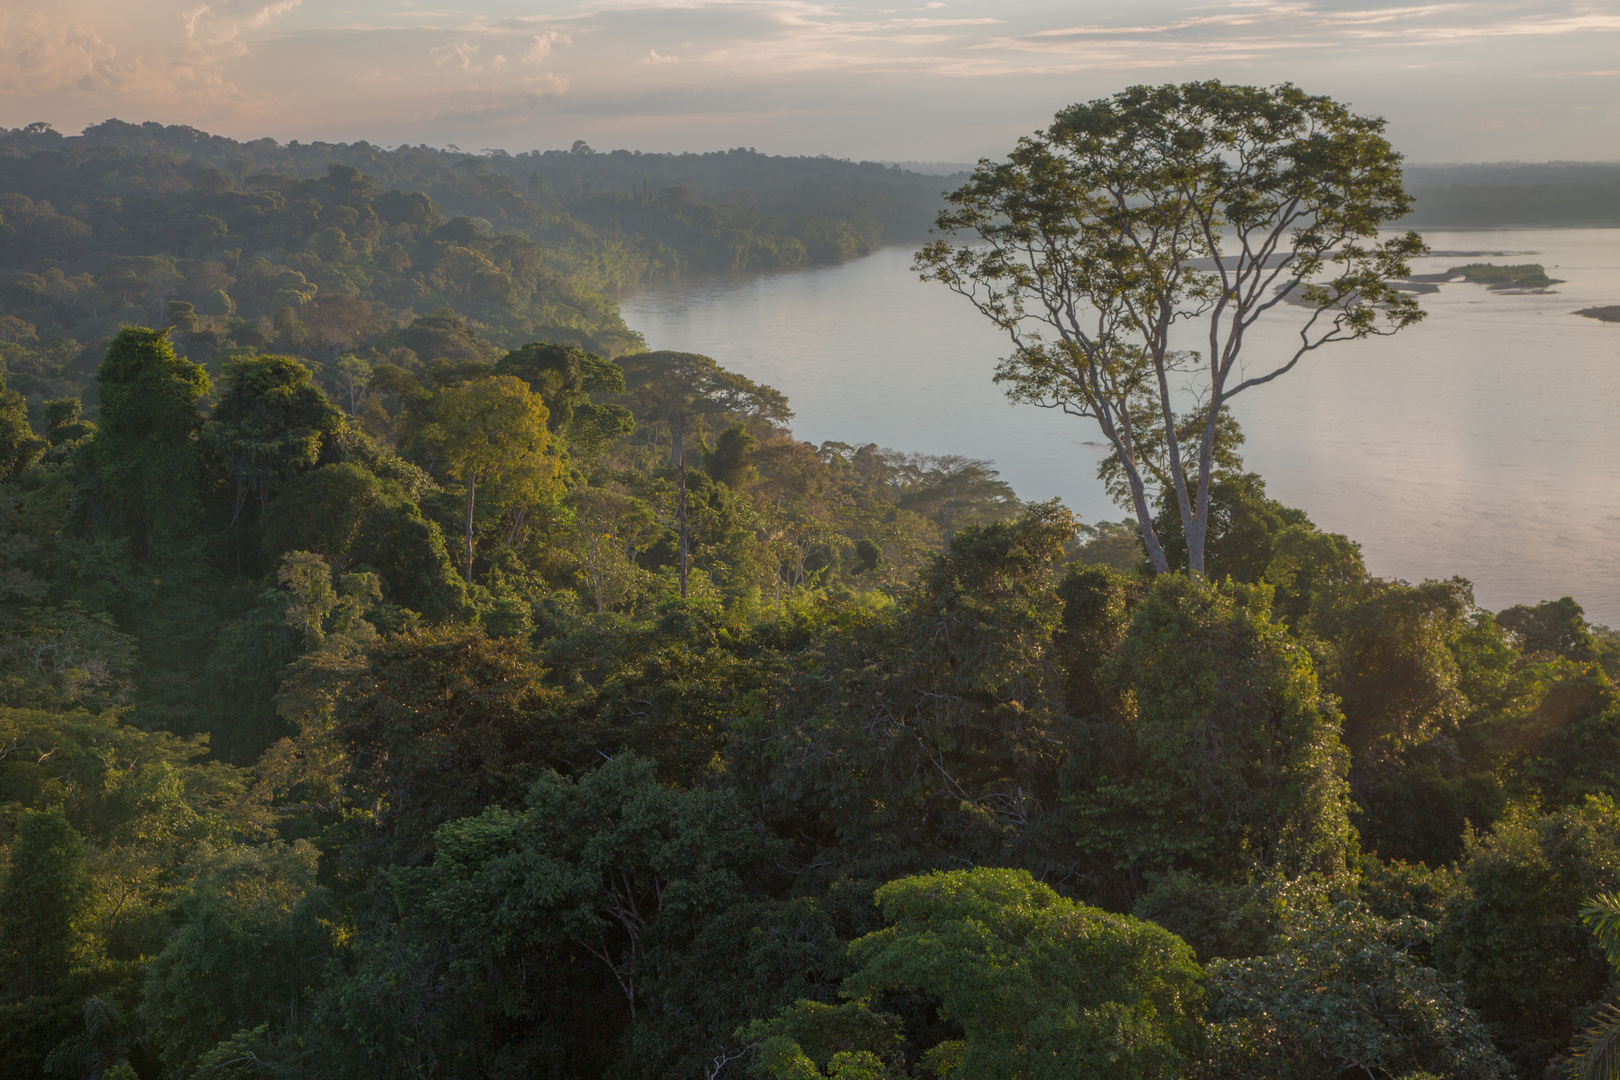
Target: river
column 1483, row 442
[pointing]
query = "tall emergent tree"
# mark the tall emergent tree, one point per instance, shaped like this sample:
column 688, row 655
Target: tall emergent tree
column 269, row 424
column 565, row 377
column 19, row 447
column 683, row 390
column 146, row 455
column 494, row 431
column 1163, row 214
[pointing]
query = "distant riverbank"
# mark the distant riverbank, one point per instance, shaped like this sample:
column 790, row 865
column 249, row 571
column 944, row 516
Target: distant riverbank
column 1480, row 443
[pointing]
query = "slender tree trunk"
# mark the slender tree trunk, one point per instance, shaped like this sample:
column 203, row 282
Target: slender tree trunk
column 1198, row 531
column 1191, row 533
column 1122, row 444
column 1144, row 519
column 472, row 483
column 593, row 563
column 680, row 510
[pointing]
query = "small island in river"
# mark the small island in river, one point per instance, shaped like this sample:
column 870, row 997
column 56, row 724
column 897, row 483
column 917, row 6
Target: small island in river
column 1522, row 278
column 1609, row 313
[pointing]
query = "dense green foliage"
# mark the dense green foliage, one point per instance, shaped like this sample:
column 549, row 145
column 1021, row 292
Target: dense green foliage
column 1039, row 986
column 319, row 250
column 287, row 792
column 1339, row 989
column 353, row 723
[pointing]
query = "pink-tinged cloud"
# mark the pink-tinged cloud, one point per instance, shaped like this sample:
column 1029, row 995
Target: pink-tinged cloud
column 938, row 79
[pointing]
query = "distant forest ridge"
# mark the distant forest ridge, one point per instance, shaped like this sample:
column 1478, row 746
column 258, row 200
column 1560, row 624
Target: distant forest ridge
column 882, row 203
column 1567, row 193
column 896, row 200
column 1495, row 194
column 601, row 222
column 314, row 249
column 934, row 168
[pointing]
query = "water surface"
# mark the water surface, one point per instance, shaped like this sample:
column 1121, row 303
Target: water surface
column 1482, row 442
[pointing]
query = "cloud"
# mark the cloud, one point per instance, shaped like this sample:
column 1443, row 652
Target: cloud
column 37, row 58
column 216, row 27
column 540, row 45
column 488, row 110
column 1258, row 28
column 947, row 79
column 776, row 38
column 456, row 54
column 689, row 102
column 463, row 55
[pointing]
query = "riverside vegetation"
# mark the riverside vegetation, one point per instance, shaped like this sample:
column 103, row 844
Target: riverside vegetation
column 473, row 693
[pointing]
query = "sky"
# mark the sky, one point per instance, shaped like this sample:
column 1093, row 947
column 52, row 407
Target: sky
column 940, row 80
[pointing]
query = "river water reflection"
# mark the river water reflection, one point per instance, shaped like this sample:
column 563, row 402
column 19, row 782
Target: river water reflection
column 1483, row 442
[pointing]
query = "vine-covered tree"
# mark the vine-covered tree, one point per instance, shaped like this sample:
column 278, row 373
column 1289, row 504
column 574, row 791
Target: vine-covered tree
column 146, row 453
column 270, row 424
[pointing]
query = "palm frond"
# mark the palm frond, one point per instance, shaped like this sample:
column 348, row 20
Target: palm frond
column 1597, row 1049
column 76, row 1060
column 103, row 1044
column 101, row 1018
column 1602, row 915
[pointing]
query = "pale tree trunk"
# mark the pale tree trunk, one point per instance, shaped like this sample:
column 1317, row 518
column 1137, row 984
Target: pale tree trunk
column 1198, row 531
column 1124, row 445
column 1144, row 518
column 1191, row 530
column 593, row 562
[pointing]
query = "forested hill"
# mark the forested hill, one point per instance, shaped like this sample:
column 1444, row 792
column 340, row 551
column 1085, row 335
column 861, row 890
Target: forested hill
column 1566, row 193
column 392, row 688
column 734, row 209
column 319, row 248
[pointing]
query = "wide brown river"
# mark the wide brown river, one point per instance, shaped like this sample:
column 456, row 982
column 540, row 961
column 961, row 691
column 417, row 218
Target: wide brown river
column 1484, row 442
